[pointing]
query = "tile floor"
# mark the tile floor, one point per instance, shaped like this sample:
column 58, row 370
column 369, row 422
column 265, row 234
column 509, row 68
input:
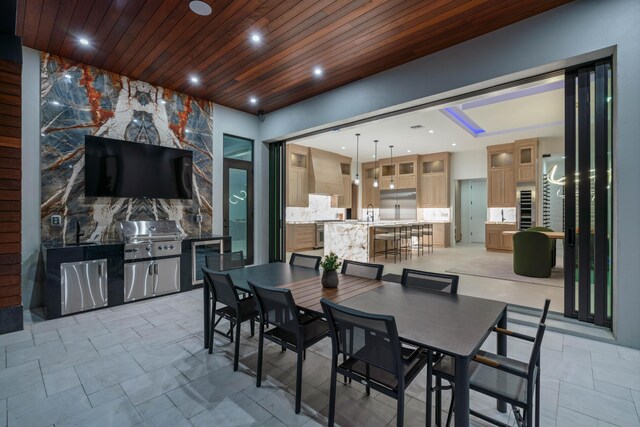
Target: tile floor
column 143, row 364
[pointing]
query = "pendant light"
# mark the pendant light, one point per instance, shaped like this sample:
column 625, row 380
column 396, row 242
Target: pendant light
column 391, row 184
column 375, row 169
column 357, row 180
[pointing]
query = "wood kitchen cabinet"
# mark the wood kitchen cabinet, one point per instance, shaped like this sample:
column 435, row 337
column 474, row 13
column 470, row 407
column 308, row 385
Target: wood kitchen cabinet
column 370, row 194
column 297, row 176
column 501, row 174
column 526, row 160
column 495, row 240
column 442, row 234
column 433, row 186
column 300, row 236
column 343, row 201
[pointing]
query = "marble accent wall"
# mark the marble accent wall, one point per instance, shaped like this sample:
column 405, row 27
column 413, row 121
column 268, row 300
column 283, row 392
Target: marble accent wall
column 319, row 209
column 495, row 214
column 76, row 100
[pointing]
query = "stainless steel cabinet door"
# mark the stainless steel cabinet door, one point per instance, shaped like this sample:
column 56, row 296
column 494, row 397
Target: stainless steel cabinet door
column 138, row 280
column 167, row 276
column 83, row 285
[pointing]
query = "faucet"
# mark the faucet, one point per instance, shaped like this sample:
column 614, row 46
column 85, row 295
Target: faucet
column 78, row 233
column 502, row 213
column 370, row 213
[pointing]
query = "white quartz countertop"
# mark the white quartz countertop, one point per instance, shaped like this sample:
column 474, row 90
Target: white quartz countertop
column 500, row 222
column 384, row 223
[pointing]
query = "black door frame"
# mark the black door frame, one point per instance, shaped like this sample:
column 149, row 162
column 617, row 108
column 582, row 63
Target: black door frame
column 589, row 248
column 277, row 201
column 248, row 166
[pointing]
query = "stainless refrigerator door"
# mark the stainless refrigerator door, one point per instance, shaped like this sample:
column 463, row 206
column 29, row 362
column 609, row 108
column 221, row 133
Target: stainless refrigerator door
column 167, row 272
column 83, row 285
column 138, row 280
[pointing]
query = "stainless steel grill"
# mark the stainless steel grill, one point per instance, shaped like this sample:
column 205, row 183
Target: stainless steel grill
column 150, row 239
column 151, row 258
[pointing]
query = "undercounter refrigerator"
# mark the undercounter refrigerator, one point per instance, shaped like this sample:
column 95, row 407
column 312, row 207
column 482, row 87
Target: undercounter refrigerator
column 398, row 205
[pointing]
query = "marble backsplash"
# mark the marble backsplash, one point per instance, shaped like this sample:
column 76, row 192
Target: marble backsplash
column 319, row 209
column 496, row 214
column 76, row 100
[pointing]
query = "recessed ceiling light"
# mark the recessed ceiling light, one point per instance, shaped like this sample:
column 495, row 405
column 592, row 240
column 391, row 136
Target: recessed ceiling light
column 67, row 76
column 317, row 71
column 253, row 100
column 344, row 148
column 200, row 8
column 55, row 102
column 84, row 41
column 374, row 156
column 430, row 130
column 255, row 38
column 194, row 79
column 454, row 144
column 408, row 151
column 162, row 101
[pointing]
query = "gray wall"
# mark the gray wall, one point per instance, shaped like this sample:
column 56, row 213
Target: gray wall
column 568, row 35
column 233, row 122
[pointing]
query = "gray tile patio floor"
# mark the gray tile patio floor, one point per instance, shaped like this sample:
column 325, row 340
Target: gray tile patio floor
column 144, row 364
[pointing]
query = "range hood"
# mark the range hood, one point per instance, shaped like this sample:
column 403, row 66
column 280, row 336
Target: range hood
column 325, row 174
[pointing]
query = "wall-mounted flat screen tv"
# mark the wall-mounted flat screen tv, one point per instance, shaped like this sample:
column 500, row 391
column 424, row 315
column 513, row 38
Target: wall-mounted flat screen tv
column 115, row 168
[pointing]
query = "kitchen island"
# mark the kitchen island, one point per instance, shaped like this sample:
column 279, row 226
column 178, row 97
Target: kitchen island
column 353, row 240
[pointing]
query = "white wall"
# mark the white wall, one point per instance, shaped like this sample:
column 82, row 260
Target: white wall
column 30, row 176
column 237, row 123
column 577, row 32
column 469, row 165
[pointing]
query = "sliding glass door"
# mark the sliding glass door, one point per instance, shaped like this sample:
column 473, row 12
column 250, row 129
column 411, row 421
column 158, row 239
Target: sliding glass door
column 588, row 193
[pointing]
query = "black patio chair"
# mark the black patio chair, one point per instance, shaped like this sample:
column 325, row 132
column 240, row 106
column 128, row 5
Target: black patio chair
column 308, row 261
column 431, row 281
column 362, row 269
column 235, row 310
column 290, row 327
column 374, row 354
column 506, row 379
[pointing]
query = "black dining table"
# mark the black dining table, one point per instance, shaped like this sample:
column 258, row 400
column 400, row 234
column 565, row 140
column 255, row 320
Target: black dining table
column 456, row 325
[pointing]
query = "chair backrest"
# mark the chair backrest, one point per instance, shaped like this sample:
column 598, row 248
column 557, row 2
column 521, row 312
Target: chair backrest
column 225, row 261
column 222, row 287
column 276, row 307
column 308, row 261
column 545, row 229
column 430, row 281
column 532, row 245
column 535, row 352
column 370, row 338
column 362, row 269
column 545, row 311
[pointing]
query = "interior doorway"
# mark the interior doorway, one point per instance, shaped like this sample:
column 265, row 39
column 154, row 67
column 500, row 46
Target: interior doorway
column 473, row 210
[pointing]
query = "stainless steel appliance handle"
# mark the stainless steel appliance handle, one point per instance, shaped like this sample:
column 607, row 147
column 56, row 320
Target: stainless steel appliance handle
column 150, row 269
column 155, row 268
column 100, row 270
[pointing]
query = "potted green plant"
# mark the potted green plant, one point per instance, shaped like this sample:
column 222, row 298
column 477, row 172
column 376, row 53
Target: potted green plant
column 330, row 265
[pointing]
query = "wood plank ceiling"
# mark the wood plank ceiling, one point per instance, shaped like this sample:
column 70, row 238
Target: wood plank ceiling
column 164, row 43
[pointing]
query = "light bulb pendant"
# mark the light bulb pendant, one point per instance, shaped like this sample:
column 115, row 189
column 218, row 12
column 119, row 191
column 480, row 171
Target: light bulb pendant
column 391, row 185
column 375, row 183
column 357, row 180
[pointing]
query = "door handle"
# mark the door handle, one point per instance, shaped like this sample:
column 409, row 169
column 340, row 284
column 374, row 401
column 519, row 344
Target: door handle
column 100, row 270
column 571, row 236
column 155, row 268
column 150, row 269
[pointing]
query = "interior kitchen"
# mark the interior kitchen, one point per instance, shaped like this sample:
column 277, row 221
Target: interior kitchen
column 446, row 186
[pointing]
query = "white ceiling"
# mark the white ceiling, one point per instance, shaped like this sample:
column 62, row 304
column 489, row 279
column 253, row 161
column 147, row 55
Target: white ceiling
column 526, row 111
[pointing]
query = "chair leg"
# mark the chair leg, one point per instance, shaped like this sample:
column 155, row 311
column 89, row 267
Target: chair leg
column 344, row 359
column 212, row 327
column 429, row 388
column 260, row 350
column 528, row 411
column 237, row 346
column 299, row 380
column 367, row 376
column 451, row 405
column 253, row 326
column 400, row 411
column 332, row 393
column 438, row 402
column 537, row 402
